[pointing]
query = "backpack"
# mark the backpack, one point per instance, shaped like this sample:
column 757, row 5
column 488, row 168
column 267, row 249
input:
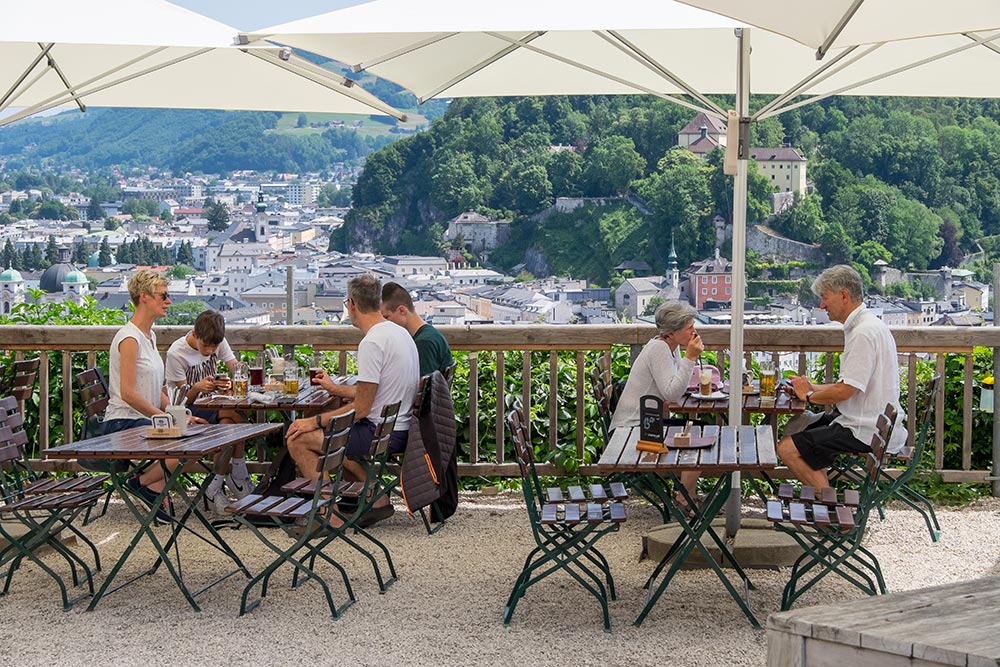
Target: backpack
column 280, row 472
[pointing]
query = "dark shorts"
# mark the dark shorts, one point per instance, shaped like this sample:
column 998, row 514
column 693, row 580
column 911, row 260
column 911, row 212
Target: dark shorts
column 211, row 416
column 824, row 440
column 113, row 426
column 359, row 444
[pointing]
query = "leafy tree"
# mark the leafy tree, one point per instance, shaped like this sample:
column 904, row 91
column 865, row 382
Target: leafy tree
column 111, row 224
column 612, row 164
column 51, row 250
column 51, row 209
column 104, row 253
column 184, row 313
column 185, row 254
column 217, row 215
column 9, row 256
column 303, row 121
column 94, row 210
column 331, row 195
column 454, row 185
column 565, row 171
column 81, row 253
column 803, row 221
column 653, row 304
column 526, row 188
column 180, row 272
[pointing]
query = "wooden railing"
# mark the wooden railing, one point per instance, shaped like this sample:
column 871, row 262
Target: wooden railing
column 76, row 348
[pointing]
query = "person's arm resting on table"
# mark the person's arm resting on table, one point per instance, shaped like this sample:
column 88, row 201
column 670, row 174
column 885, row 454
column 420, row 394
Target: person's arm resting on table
column 364, row 397
column 821, row 394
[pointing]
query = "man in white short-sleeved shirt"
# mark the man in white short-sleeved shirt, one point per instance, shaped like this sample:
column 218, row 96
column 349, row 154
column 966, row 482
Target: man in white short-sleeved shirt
column 869, row 379
column 388, row 372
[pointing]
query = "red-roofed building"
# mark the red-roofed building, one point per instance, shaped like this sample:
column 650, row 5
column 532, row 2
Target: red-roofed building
column 710, row 280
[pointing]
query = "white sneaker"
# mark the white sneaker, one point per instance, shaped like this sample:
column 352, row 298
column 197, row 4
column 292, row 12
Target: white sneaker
column 240, row 488
column 217, row 501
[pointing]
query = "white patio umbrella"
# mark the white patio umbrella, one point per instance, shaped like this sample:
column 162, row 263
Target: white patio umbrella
column 150, row 53
column 455, row 48
column 828, row 24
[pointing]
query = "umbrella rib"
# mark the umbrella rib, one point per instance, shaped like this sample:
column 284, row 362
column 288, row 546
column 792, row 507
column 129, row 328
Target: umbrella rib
column 402, row 51
column 328, row 80
column 976, row 41
column 513, row 45
column 825, row 71
column 24, row 75
column 837, row 29
column 611, row 77
column 58, row 70
column 70, row 95
column 630, row 49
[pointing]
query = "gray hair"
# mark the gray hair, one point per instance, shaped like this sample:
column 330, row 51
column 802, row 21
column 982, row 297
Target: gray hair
column 673, row 316
column 366, row 293
column 840, row 277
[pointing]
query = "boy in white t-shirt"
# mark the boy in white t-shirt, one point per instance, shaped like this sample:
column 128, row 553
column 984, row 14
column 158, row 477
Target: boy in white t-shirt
column 192, row 361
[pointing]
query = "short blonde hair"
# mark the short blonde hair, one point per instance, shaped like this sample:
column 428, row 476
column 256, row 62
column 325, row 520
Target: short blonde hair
column 145, row 282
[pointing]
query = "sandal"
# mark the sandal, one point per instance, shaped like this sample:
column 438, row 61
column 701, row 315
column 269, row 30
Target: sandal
column 688, row 511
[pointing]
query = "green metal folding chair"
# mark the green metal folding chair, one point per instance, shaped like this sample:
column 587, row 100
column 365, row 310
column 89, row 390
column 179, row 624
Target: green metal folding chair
column 44, row 508
column 830, row 527
column 305, row 519
column 566, row 527
column 901, row 466
column 356, row 499
column 898, row 487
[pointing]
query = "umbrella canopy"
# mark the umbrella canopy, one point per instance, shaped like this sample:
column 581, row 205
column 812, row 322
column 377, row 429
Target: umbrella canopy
column 828, row 24
column 453, row 48
column 150, row 53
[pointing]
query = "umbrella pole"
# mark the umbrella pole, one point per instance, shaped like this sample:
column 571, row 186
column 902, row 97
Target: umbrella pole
column 739, row 262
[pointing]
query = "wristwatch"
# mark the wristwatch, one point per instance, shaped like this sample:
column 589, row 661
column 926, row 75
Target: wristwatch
column 319, row 421
column 809, row 395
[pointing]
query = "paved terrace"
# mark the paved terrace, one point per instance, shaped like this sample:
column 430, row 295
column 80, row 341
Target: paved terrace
column 446, row 607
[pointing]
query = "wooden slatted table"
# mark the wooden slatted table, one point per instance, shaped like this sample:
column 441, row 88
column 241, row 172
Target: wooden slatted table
column 200, row 444
column 943, row 625
column 736, row 449
column 310, row 397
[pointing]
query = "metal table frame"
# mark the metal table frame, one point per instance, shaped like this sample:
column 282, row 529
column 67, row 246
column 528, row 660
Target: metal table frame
column 132, row 444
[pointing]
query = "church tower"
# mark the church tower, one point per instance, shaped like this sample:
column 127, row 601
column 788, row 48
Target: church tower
column 673, row 273
column 11, row 290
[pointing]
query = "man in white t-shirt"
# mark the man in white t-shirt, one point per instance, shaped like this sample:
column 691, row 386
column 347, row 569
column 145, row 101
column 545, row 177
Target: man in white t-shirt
column 388, row 372
column 192, row 362
column 869, row 379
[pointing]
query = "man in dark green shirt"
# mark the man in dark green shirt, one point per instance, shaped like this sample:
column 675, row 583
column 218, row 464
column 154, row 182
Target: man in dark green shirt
column 434, row 351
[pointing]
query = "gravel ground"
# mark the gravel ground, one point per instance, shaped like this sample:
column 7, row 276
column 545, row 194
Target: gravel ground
column 445, row 609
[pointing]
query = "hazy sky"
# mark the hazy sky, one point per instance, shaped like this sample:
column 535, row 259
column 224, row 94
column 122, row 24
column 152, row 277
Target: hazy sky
column 249, row 15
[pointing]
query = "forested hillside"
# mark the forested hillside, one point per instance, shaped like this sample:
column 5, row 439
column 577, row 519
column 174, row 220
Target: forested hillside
column 181, row 140
column 913, row 182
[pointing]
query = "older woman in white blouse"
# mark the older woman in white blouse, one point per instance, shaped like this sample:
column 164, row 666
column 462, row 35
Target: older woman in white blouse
column 661, row 370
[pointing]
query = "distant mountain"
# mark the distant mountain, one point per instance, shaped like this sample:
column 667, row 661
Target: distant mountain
column 182, row 140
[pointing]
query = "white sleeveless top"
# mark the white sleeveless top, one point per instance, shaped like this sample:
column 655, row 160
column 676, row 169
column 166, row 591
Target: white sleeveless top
column 148, row 374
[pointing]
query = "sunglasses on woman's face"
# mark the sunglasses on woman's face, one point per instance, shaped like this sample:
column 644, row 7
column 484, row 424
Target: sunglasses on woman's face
column 163, row 296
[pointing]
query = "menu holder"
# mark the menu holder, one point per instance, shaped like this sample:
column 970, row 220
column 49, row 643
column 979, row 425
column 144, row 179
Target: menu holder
column 168, row 432
column 650, row 421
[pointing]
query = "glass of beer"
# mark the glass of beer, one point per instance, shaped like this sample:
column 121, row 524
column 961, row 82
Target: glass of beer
column 240, row 381
column 767, row 384
column 291, row 377
column 257, row 375
column 705, row 380
column 316, row 368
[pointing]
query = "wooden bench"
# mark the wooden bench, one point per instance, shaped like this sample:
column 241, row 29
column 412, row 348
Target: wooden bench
column 943, row 625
